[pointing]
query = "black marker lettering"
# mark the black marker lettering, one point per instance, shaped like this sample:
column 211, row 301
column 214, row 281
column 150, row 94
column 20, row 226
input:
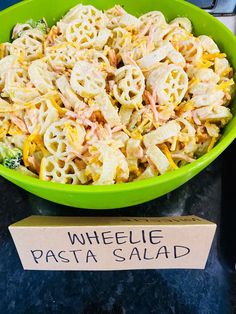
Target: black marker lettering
column 131, row 240
column 162, row 250
column 75, row 238
column 145, row 255
column 135, row 252
column 92, row 236
column 152, row 236
column 121, row 258
column 74, row 252
column 106, row 238
column 143, row 236
column 118, row 237
column 63, row 259
column 37, row 254
column 176, row 250
column 50, row 254
column 90, row 254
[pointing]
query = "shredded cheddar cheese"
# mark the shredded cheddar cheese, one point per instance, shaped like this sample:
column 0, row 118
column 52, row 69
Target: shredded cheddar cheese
column 225, row 86
column 166, row 151
column 61, row 111
column 212, row 144
column 212, row 56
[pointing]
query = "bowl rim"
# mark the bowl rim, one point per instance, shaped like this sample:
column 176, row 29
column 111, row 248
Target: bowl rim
column 199, row 163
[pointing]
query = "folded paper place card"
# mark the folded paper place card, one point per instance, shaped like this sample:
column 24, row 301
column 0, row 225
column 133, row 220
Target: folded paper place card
column 112, row 243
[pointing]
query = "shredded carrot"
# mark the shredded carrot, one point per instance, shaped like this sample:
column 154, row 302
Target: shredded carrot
column 19, row 123
column 112, row 57
column 51, row 37
column 152, row 103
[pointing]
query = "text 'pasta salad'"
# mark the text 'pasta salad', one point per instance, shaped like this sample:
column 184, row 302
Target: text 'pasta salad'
column 105, row 97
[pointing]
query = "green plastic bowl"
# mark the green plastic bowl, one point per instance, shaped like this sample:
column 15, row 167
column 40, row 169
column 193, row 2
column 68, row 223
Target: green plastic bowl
column 127, row 194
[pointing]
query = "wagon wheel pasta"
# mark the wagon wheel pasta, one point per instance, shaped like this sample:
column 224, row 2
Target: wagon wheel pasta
column 105, row 97
column 82, row 33
column 129, row 85
column 40, row 77
column 168, row 83
column 54, row 169
column 29, row 45
column 121, row 38
column 94, row 16
column 87, row 81
column 62, row 56
column 154, row 18
column 182, row 22
column 64, row 136
column 191, row 49
column 43, row 114
column 14, row 78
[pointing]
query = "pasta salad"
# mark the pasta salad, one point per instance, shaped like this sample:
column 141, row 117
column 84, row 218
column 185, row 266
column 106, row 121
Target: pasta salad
column 105, row 97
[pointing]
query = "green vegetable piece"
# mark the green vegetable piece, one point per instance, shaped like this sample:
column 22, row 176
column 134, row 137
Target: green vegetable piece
column 10, row 157
column 41, row 25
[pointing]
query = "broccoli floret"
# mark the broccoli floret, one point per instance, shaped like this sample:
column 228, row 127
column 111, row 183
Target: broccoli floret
column 10, row 157
column 14, row 161
column 40, row 25
column 20, row 29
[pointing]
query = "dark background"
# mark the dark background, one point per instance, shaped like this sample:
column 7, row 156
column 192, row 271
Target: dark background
column 209, row 195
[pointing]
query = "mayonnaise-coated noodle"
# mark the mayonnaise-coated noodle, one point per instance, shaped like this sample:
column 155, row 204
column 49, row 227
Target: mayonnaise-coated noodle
column 182, row 22
column 29, row 45
column 61, row 171
column 129, row 85
column 94, row 16
column 87, row 80
column 15, row 77
column 105, row 97
column 62, row 57
column 120, row 39
column 154, row 18
column 82, row 33
column 40, row 77
column 43, row 114
column 64, row 137
column 168, row 83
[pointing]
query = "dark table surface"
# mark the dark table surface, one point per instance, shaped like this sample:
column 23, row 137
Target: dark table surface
column 213, row 290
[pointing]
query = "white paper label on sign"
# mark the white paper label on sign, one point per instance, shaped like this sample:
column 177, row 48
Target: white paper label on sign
column 112, row 243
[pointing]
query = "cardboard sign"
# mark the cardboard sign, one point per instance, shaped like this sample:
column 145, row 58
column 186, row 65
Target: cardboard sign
column 112, row 243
